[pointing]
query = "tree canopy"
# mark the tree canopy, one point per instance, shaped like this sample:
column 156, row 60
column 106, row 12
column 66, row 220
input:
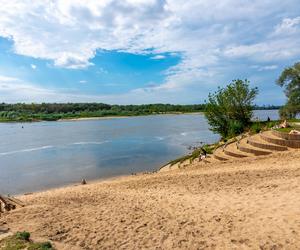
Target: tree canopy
column 290, row 80
column 229, row 109
column 56, row 111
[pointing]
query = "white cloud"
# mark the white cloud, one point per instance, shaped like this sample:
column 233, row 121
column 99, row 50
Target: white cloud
column 33, row 66
column 270, row 50
column 288, row 26
column 265, row 67
column 14, row 90
column 82, row 81
column 207, row 34
column 158, row 57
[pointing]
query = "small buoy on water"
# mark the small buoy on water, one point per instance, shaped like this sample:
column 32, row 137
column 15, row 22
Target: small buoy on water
column 83, row 182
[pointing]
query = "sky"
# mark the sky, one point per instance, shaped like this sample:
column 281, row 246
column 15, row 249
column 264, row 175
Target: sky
column 144, row 51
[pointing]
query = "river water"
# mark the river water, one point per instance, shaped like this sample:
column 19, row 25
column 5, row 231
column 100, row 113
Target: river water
column 41, row 155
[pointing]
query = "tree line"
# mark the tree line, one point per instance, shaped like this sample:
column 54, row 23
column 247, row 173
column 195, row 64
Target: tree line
column 56, row 111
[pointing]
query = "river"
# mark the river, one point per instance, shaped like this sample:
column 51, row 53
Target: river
column 42, row 155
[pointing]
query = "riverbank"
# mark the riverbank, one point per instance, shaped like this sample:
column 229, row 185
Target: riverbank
column 86, row 118
column 250, row 203
column 116, row 117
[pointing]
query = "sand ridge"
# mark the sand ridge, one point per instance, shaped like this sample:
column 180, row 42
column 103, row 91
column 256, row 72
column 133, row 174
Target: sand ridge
column 248, row 204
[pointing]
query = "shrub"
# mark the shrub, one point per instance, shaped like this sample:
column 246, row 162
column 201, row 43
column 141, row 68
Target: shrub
column 235, row 128
column 290, row 80
column 41, row 246
column 23, row 235
column 256, row 128
column 271, row 124
column 229, row 109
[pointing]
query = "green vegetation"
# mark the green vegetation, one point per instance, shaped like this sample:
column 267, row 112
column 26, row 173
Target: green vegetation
column 209, row 148
column 56, row 111
column 21, row 112
column 23, row 236
column 285, row 130
column 229, row 109
column 290, row 80
column 256, row 127
column 21, row 241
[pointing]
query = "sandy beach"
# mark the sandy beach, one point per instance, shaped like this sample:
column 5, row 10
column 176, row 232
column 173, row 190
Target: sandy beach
column 247, row 204
column 92, row 118
column 116, row 117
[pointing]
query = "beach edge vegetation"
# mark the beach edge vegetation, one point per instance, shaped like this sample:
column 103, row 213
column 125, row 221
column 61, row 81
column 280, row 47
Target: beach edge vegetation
column 290, row 81
column 229, row 110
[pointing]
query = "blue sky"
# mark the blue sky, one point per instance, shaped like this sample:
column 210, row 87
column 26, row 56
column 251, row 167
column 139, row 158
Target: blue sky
column 144, row 51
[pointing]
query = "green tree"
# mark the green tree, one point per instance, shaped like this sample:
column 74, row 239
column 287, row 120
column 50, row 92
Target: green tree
column 229, row 109
column 290, row 80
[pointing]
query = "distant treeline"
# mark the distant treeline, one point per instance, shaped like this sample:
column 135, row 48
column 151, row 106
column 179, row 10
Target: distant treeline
column 268, row 107
column 56, row 111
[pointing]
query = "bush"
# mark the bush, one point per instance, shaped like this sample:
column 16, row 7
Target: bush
column 208, row 148
column 235, row 128
column 41, row 246
column 256, row 128
column 290, row 80
column 229, row 109
column 23, row 235
column 21, row 241
column 271, row 124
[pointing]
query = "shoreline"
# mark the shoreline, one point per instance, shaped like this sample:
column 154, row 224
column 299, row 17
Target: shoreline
column 99, row 117
column 91, row 118
column 76, row 184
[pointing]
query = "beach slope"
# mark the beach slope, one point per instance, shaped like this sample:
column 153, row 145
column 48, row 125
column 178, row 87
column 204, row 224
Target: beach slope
column 248, row 204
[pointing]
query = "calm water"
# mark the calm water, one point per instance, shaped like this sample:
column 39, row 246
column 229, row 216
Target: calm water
column 48, row 154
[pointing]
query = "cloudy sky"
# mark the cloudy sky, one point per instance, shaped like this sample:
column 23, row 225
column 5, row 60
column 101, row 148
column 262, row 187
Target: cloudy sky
column 143, row 51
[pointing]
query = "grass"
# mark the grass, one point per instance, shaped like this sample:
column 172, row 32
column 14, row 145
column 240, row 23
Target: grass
column 209, row 148
column 21, row 241
column 285, row 130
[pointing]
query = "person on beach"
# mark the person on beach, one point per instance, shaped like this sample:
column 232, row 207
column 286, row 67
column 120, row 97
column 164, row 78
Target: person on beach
column 203, row 154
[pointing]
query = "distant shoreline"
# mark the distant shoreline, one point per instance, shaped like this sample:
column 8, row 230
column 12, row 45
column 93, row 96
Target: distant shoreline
column 87, row 118
column 114, row 117
column 90, row 118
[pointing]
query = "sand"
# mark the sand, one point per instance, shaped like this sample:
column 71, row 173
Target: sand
column 92, row 118
column 247, row 204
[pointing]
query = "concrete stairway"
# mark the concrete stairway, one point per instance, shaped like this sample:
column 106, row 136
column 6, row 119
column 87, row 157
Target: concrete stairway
column 261, row 144
column 277, row 138
column 245, row 146
column 264, row 143
column 233, row 151
column 258, row 141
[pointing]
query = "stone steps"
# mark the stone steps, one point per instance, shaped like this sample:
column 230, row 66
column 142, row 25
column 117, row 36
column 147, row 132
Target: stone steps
column 285, row 136
column 264, row 143
column 228, row 153
column 244, row 146
column 271, row 137
column 233, row 151
column 258, row 142
column 211, row 159
column 220, row 155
